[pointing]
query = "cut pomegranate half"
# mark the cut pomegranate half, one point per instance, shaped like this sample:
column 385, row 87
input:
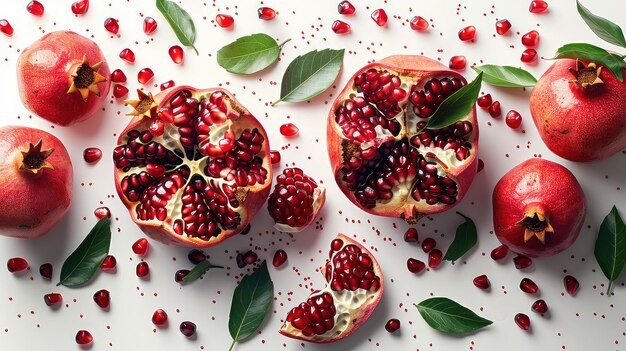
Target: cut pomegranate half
column 354, row 286
column 202, row 175
column 383, row 159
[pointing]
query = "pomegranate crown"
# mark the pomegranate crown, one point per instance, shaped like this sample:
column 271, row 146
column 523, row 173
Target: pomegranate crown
column 85, row 79
column 34, row 159
column 586, row 75
column 536, row 223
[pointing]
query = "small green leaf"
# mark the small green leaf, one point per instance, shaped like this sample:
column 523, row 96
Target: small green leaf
column 466, row 237
column 610, row 250
column 199, row 270
column 180, row 21
column 456, row 106
column 83, row 263
column 506, row 76
column 592, row 53
column 602, row 27
column 249, row 54
column 448, row 316
column 252, row 300
column 310, row 74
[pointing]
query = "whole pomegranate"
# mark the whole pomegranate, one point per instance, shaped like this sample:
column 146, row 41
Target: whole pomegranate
column 63, row 77
column 349, row 298
column 383, row 159
column 36, row 174
column 579, row 109
column 192, row 166
column 538, row 208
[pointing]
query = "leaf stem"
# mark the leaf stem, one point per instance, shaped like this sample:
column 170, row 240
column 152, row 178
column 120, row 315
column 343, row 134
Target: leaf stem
column 194, row 49
column 284, row 42
column 232, row 345
column 608, row 289
column 275, row 102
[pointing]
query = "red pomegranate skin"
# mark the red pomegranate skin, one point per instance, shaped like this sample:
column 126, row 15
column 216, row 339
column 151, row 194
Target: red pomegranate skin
column 44, row 77
column 31, row 204
column 546, row 185
column 576, row 123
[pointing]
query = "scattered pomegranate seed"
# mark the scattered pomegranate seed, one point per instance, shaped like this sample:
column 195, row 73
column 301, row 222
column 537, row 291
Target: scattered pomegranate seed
column 196, row 256
column 149, row 25
column 102, row 298
column 522, row 261
column 142, row 269
column 108, row 264
column 83, row 337
column 380, row 17
column 540, row 306
column 266, row 13
column 177, row 54
column 275, row 156
column 52, row 299
column 468, row 33
column 112, row 25
column 528, row 286
column 531, row 39
column 92, row 155
column 392, row 325
column 495, row 110
column 411, row 235
column 127, row 55
column 187, row 328
column 340, row 27
column 80, row 7
column 458, row 62
column 522, row 321
column 538, row 7
column 414, row 265
column 180, row 274
column 102, row 212
column 484, row 101
column 346, row 8
column 280, row 257
column 289, row 130
column 482, row 282
column 514, row 120
column 119, row 91
column 428, row 244
column 5, row 27
column 224, row 21
column 166, row 85
column 145, row 75
column 46, row 270
column 418, row 23
column 434, row 258
column 159, row 317
column 118, row 76
column 140, row 247
column 529, row 56
column 503, row 26
column 16, row 264
column 35, row 8
column 499, row 252
column 247, row 258
column 571, row 284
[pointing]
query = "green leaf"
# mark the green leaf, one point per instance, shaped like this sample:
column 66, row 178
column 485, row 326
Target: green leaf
column 602, row 27
column 198, row 271
column 448, row 316
column 310, row 74
column 506, row 76
column 466, row 237
column 252, row 300
column 592, row 53
column 180, row 21
column 249, row 54
column 83, row 263
column 610, row 248
column 456, row 106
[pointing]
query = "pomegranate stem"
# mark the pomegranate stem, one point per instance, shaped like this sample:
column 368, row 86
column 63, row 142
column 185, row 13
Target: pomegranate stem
column 34, row 159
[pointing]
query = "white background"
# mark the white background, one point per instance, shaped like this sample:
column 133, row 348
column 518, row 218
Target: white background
column 589, row 320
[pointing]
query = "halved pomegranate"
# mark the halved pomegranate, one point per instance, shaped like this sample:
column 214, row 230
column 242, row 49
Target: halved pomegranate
column 384, row 160
column 354, row 286
column 196, row 169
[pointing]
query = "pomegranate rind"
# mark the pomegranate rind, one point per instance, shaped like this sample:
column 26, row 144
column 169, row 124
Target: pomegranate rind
column 319, row 198
column 255, row 195
column 416, row 69
column 356, row 316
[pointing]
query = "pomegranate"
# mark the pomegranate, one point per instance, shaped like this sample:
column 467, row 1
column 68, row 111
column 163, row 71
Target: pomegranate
column 354, row 286
column 579, row 109
column 36, row 174
column 63, row 77
column 187, row 328
column 382, row 159
column 83, row 337
column 538, row 208
column 199, row 177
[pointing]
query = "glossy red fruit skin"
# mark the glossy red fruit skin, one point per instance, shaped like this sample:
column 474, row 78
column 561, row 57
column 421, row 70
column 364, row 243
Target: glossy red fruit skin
column 102, row 298
column 266, row 13
column 522, row 262
column 539, row 6
column 280, row 257
column 275, row 156
column 167, row 85
column 187, row 328
column 499, row 253
column 6, row 28
column 127, row 55
column 458, row 62
column 392, row 325
column 108, row 264
column 468, row 33
column 576, row 123
column 495, row 110
column 529, row 56
column 159, row 317
column 346, row 8
column 380, row 17
column 503, row 26
column 43, row 84
column 53, row 299
column 418, row 23
column 149, row 25
column 119, row 91
column 145, row 75
column 16, row 264
column 35, row 8
column 23, row 215
column 140, row 247
column 513, row 119
column 571, row 285
column 531, row 39
column 410, row 236
column 83, row 337
column 549, row 187
column 224, row 21
column 112, row 25
column 176, row 54
column 118, row 76
column 539, row 306
column 80, row 7
column 428, row 244
column 528, row 286
column 522, row 321
column 434, row 258
column 92, row 154
column 414, row 265
column 46, row 270
column 484, row 101
column 102, row 212
column 289, row 130
column 482, row 282
column 340, row 27
column 142, row 269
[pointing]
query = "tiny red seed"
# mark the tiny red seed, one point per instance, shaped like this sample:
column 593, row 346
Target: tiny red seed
column 528, row 286
column 224, row 21
column 119, row 91
column 112, row 25
column 53, row 299
column 538, row 7
column 522, row 321
column 539, row 306
column 127, row 55
column 187, row 328
column 118, row 76
column 108, row 264
column 102, row 298
column 140, row 247
column 35, row 8
column 458, row 62
column 380, row 17
column 418, row 23
column 102, row 212
column 571, row 284
column 289, row 130
column 80, row 7
column 346, row 8
column 196, row 256
column 16, row 264
column 434, row 258
column 499, row 252
column 83, row 337
column 167, row 85
column 428, row 244
column 6, row 28
column 392, row 325
column 142, row 269
column 266, row 13
column 145, row 75
column 468, row 33
column 503, row 26
column 495, row 110
column 177, row 54
column 513, row 120
column 414, row 265
column 46, row 270
column 149, row 25
column 275, row 156
column 529, row 56
column 484, row 101
column 280, row 257
column 410, row 236
column 92, row 155
column 482, row 282
column 340, row 27
column 159, row 317
column 531, row 39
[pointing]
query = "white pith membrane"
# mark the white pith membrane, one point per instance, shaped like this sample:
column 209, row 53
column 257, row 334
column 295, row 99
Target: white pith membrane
column 319, row 196
column 192, row 162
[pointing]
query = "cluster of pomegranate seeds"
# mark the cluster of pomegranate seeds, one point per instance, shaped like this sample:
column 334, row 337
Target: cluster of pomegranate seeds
column 266, row 13
column 112, row 25
column 102, row 298
column 180, row 275
column 196, row 256
column 484, row 101
column 92, row 154
column 118, row 76
column 275, row 157
column 17, row 264
column 102, row 212
column 539, row 306
column 145, row 75
column 167, row 85
column 345, row 261
column 531, row 39
column 468, row 33
column 80, row 7
column 522, row 262
column 499, row 253
column 414, row 265
column 458, row 62
column 187, row 328
column 522, row 321
column 340, row 27
column 224, row 21
column 482, row 282
column 149, row 25
column 428, row 244
column 529, row 56
column 426, row 101
column 108, row 264
column 289, row 130
column 119, row 91
column 5, row 27
column 83, row 337
column 292, row 201
column 315, row 316
column 159, row 317
column 280, row 257
column 142, row 269
column 434, row 258
column 177, row 54
column 46, row 270
column 140, row 247
column 410, row 236
column 127, row 55
column 247, row 258
column 35, row 8
column 571, row 285
column 513, row 119
column 495, row 110
column 418, row 23
column 380, row 17
column 346, row 8
column 53, row 299
column 538, row 6
column 528, row 286
column 503, row 26
column 392, row 325
column 358, row 120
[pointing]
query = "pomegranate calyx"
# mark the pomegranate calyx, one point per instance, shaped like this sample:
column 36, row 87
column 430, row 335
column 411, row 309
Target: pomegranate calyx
column 536, row 223
column 144, row 107
column 34, row 159
column 85, row 78
column 586, row 75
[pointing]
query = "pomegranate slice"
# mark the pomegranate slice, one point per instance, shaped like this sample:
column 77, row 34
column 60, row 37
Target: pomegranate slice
column 382, row 158
column 201, row 176
column 354, row 286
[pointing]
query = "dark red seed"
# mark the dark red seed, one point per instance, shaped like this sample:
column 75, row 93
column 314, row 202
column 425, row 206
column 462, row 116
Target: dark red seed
column 250, row 257
column 418, row 23
column 380, row 17
column 127, row 55
column 428, row 244
column 112, row 25
column 458, row 62
column 468, row 33
column 246, row 230
column 177, row 54
column 83, row 337
column 6, row 28
column 499, row 253
column 522, row 261
column 53, row 299
column 528, row 286
column 92, row 155
column 140, row 247
column 280, row 257
column 266, row 13
column 513, row 119
column 414, row 265
column 118, row 76
column 289, row 130
column 346, row 8
column 503, row 26
column 224, row 21
column 275, row 156
column 119, row 91
column 102, row 298
column 187, row 328
column 145, row 75
column 108, row 264
column 522, row 321
column 340, row 27
column 540, row 306
column 167, row 85
column 46, row 270
column 571, row 284
column 484, row 101
column 142, row 269
column 481, row 165
column 495, row 110
column 180, row 274
column 482, row 282
column 531, row 39
column 35, row 8
column 392, row 325
column 149, row 25
column 434, row 258
column 80, row 7
column 411, row 235
column 16, row 264
column 538, row 7
column 102, row 212
column 196, row 256
column 529, row 56
column 159, row 317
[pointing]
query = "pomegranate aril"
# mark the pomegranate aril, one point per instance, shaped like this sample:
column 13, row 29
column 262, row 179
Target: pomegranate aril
column 571, row 284
column 249, row 257
column 289, row 130
column 503, row 26
column 149, row 25
column 346, row 8
column 434, row 258
column 428, row 244
column 159, row 317
column 380, row 17
column 35, row 8
column 127, row 55
column 418, row 23
column 6, row 28
column 142, row 269
column 392, row 325
column 340, row 27
column 108, row 264
column 224, row 21
column 484, row 101
column 513, row 119
column 112, row 25
column 539, row 306
column 528, row 286
column 119, row 91
column 499, row 253
column 468, row 33
column 16, row 264
column 177, row 54
column 522, row 321
column 529, row 56
column 102, row 212
column 280, row 257
column 46, row 270
column 167, row 85
column 275, row 156
column 531, row 39
column 180, row 275
column 80, row 7
column 118, row 76
column 522, row 261
column 140, row 247
column 83, row 337
column 187, row 328
column 495, row 110
column 53, row 299
column 538, row 7
column 458, row 62
column 482, row 282
column 102, row 298
column 145, row 75
column 92, row 154
column 196, row 256
column 410, row 236
column 266, row 13
column 414, row 265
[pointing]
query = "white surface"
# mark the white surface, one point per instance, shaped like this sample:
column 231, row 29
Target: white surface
column 587, row 321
